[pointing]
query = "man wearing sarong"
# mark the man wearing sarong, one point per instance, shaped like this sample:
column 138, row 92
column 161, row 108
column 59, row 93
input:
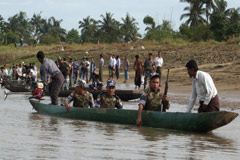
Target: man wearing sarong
column 202, row 87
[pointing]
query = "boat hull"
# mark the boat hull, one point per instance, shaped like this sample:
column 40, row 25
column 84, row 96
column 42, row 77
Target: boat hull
column 195, row 122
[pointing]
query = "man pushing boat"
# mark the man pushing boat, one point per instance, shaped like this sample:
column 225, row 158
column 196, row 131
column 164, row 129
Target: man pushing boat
column 49, row 67
column 152, row 99
column 202, row 87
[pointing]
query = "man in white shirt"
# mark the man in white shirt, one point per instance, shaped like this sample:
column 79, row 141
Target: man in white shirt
column 202, row 87
column 158, row 63
column 113, row 66
column 101, row 64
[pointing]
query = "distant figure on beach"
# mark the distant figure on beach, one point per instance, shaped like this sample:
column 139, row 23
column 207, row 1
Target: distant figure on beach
column 204, row 88
column 158, row 63
column 101, row 64
column 92, row 69
column 21, row 42
column 65, row 69
column 118, row 65
column 148, row 69
column 75, row 70
column 138, row 67
column 35, row 41
column 126, row 67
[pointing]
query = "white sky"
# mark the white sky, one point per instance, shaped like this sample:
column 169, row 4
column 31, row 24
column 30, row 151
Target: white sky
column 72, row 11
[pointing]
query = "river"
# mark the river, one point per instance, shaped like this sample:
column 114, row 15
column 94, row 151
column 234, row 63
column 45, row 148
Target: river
column 26, row 135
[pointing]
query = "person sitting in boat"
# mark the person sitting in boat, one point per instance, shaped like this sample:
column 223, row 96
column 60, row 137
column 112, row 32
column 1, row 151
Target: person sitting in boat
column 80, row 97
column 96, row 85
column 109, row 99
column 152, row 99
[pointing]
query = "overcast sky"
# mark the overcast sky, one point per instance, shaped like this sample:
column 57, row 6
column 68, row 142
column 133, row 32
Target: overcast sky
column 71, row 11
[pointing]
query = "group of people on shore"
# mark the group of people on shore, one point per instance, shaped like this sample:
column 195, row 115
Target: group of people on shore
column 20, row 72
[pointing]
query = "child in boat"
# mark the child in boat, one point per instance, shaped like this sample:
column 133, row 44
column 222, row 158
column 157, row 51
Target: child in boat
column 109, row 99
column 80, row 97
column 96, row 85
column 152, row 99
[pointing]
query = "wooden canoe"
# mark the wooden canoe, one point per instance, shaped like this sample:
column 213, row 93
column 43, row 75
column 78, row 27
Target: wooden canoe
column 195, row 122
column 124, row 95
column 18, row 87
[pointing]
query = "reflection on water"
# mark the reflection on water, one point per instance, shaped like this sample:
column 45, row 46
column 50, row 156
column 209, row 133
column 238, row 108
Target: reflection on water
column 44, row 137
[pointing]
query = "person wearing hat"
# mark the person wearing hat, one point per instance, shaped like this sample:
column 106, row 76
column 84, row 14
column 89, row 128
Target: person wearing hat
column 49, row 68
column 80, row 97
column 152, row 99
column 109, row 99
column 138, row 66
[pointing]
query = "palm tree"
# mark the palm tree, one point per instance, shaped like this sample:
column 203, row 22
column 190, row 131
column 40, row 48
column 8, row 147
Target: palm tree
column 129, row 29
column 109, row 28
column 221, row 7
column 89, row 29
column 151, row 28
column 195, row 12
column 37, row 22
column 209, row 6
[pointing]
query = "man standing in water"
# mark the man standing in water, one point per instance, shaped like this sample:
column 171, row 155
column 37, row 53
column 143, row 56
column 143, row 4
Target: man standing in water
column 202, row 87
column 49, row 67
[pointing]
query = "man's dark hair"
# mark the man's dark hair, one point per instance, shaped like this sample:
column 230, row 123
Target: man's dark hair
column 40, row 55
column 150, row 54
column 101, row 55
column 192, row 65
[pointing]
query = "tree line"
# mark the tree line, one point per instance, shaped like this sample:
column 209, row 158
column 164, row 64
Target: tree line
column 205, row 19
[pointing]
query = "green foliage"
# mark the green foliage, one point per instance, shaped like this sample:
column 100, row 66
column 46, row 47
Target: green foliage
column 89, row 30
column 129, row 29
column 109, row 29
column 218, row 25
column 159, row 32
column 73, row 36
column 9, row 38
column 233, row 28
column 198, row 33
column 194, row 13
column 49, row 39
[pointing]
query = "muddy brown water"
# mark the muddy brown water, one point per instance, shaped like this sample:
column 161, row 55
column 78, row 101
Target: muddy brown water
column 26, row 135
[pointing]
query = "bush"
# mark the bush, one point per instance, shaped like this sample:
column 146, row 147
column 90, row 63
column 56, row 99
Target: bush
column 49, row 39
column 199, row 33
